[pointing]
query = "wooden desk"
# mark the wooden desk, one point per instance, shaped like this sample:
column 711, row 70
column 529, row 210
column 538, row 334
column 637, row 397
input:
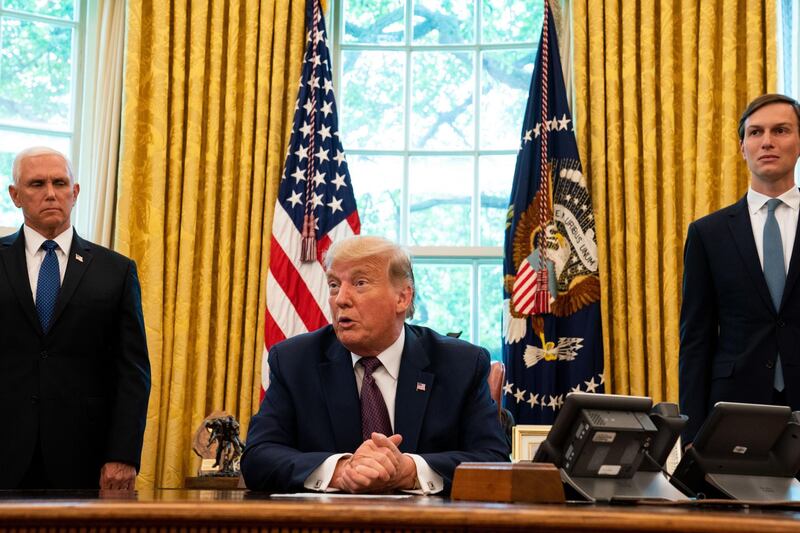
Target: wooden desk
column 239, row 511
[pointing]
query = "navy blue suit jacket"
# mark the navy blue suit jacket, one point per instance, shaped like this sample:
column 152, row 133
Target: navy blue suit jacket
column 730, row 331
column 311, row 409
column 80, row 390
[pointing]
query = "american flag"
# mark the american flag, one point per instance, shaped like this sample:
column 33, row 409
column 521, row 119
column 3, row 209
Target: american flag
column 551, row 323
column 315, row 204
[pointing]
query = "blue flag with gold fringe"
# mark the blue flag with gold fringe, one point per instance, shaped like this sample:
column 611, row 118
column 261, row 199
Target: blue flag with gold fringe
column 552, row 337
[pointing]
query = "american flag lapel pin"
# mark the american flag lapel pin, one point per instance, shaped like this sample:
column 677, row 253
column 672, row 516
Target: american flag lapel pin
column 420, row 386
column 79, row 258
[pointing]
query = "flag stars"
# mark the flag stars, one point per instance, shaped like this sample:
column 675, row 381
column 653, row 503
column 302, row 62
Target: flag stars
column 327, row 85
column 309, row 107
column 306, row 129
column 508, row 388
column 576, row 388
column 563, row 122
column 313, row 82
column 533, row 399
column 527, row 137
column 301, row 153
column 326, row 108
column 552, row 403
column 316, row 200
column 591, row 386
column 339, row 181
column 520, row 395
column 339, row 157
column 299, row 175
column 319, row 36
column 537, row 130
column 295, row 198
column 322, row 155
column 324, row 132
column 319, row 179
column 335, row 204
column 316, row 60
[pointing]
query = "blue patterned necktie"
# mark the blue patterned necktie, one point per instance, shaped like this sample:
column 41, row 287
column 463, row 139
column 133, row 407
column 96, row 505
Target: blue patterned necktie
column 48, row 285
column 774, row 271
column 374, row 415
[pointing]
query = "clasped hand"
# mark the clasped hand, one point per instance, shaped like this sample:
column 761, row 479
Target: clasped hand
column 376, row 466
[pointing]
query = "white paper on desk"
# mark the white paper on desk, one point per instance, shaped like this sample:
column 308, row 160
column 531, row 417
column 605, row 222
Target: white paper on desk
column 320, row 495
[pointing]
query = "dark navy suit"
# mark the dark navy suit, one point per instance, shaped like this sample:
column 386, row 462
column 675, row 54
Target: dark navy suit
column 730, row 331
column 311, row 409
column 80, row 391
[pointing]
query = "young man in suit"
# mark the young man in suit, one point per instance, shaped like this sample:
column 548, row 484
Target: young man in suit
column 740, row 318
column 369, row 403
column 74, row 369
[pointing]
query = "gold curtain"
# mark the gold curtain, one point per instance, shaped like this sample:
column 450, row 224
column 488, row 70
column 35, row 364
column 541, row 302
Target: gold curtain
column 659, row 90
column 209, row 89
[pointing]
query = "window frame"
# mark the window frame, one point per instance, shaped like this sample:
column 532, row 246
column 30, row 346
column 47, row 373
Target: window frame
column 473, row 254
column 74, row 129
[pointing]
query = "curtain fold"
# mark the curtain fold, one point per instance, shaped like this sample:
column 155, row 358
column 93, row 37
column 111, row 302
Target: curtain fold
column 209, row 89
column 100, row 119
column 659, row 89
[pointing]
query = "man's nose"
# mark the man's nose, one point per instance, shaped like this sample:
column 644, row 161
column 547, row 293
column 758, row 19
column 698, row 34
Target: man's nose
column 766, row 139
column 343, row 296
column 50, row 190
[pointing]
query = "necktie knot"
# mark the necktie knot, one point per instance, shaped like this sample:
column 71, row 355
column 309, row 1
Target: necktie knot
column 49, row 245
column 370, row 364
column 772, row 204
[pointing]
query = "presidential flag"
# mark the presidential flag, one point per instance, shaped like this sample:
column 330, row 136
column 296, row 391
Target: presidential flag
column 551, row 321
column 315, row 204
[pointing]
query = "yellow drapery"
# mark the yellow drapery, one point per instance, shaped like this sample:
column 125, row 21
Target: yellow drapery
column 209, row 89
column 659, row 90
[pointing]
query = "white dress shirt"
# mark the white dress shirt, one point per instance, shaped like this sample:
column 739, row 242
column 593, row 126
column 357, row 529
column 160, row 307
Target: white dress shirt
column 34, row 254
column 386, row 379
column 786, row 215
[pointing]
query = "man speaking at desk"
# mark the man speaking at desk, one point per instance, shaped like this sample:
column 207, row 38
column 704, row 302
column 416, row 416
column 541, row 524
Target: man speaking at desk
column 370, row 404
column 74, row 369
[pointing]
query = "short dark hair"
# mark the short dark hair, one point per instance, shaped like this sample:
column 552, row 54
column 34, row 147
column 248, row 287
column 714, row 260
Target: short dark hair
column 766, row 99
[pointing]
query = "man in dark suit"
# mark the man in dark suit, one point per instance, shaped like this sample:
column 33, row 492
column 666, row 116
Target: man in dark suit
column 370, row 404
column 74, row 369
column 740, row 318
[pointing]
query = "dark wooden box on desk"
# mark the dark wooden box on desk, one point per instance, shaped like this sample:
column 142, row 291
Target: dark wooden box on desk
column 508, row 482
column 214, row 483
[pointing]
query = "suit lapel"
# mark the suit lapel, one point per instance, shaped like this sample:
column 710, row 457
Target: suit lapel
column 14, row 260
column 80, row 255
column 414, row 387
column 794, row 266
column 742, row 233
column 341, row 397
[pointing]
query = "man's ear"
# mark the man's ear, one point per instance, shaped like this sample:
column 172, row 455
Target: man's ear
column 404, row 297
column 14, row 194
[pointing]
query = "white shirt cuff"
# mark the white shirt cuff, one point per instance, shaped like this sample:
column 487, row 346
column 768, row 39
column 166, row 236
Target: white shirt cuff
column 429, row 481
column 321, row 477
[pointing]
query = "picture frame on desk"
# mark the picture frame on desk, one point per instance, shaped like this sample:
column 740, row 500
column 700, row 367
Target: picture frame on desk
column 526, row 440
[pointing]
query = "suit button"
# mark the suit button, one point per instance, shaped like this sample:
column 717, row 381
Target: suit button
column 34, row 399
column 770, row 364
column 43, row 354
column 781, row 323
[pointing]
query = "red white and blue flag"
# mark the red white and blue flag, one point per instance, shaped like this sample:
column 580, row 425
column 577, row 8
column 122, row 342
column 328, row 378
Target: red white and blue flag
column 315, row 204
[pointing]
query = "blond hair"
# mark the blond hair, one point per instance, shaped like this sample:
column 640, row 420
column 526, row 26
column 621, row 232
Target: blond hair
column 34, row 151
column 363, row 247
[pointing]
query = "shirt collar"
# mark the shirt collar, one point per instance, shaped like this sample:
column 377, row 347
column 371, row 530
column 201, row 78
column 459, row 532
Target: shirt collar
column 756, row 200
column 390, row 357
column 34, row 240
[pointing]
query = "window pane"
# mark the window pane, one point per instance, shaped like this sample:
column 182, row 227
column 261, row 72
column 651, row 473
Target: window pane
column 443, row 297
column 444, row 21
column 442, row 111
column 377, row 181
column 35, row 73
column 10, row 144
column 505, row 84
column 511, row 20
column 490, row 303
column 374, row 21
column 496, row 176
column 372, row 104
column 440, row 196
column 63, row 9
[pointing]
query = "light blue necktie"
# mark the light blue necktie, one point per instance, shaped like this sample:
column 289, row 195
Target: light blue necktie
column 48, row 286
column 774, row 271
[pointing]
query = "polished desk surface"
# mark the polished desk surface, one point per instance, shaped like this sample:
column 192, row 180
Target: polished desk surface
column 233, row 511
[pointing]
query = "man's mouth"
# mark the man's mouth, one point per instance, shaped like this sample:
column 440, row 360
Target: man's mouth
column 345, row 322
